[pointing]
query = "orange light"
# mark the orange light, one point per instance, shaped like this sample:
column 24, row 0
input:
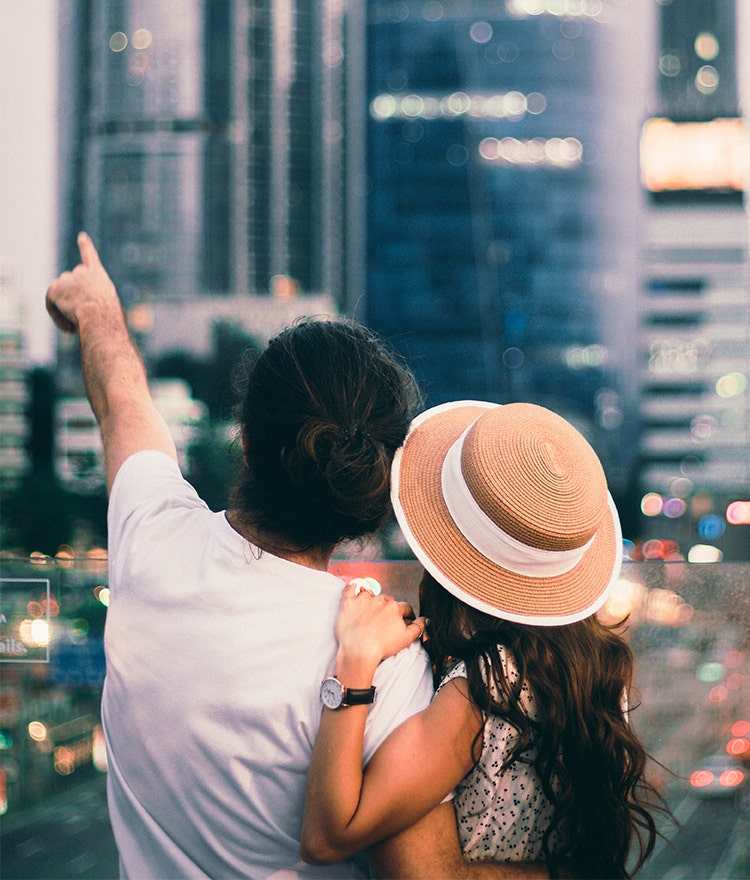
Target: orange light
column 741, row 728
column 733, row 659
column 718, row 694
column 701, row 778
column 738, row 746
column 731, row 778
column 694, row 155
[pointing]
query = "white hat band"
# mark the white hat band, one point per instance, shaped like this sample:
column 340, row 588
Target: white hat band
column 488, row 538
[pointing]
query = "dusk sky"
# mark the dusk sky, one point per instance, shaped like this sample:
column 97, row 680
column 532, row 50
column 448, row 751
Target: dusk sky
column 27, row 158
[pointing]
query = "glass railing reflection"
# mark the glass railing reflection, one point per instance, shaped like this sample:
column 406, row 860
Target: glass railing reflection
column 689, row 626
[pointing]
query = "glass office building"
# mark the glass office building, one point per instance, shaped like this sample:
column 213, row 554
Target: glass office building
column 502, row 239
column 202, row 144
column 146, row 142
column 694, row 339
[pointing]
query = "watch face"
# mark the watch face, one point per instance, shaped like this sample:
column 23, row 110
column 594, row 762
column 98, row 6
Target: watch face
column 332, row 693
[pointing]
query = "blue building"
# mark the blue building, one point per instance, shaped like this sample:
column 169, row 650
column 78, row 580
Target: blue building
column 502, row 203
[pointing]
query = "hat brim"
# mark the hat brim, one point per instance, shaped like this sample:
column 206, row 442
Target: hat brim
column 456, row 564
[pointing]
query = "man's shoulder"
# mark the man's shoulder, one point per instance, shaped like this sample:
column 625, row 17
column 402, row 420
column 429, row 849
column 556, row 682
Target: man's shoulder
column 149, row 480
column 409, row 669
column 146, row 461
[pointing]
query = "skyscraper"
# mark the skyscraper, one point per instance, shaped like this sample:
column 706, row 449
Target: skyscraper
column 502, row 205
column 695, row 350
column 146, row 140
column 202, row 145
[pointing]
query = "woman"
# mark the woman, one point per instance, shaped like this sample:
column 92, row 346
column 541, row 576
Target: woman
column 507, row 508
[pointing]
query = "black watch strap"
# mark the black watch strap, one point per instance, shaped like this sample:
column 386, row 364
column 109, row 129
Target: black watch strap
column 358, row 696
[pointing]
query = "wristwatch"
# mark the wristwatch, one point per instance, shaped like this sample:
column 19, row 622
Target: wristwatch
column 334, row 695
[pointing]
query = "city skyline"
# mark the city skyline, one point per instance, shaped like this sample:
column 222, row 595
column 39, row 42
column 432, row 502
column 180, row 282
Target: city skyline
column 28, row 167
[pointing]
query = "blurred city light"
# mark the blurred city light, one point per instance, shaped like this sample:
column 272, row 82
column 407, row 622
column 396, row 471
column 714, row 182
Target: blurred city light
column 731, row 385
column 706, row 46
column 673, row 508
column 738, row 513
column 711, row 672
column 37, row 731
column 34, row 633
column 711, row 527
column 626, row 596
column 738, row 746
column 704, row 553
column 651, row 504
column 733, row 659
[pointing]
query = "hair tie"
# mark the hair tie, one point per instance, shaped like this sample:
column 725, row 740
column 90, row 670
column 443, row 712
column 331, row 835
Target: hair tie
column 352, row 432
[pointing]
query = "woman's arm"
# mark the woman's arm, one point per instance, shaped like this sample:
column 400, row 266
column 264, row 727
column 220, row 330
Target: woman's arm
column 418, row 765
column 430, row 849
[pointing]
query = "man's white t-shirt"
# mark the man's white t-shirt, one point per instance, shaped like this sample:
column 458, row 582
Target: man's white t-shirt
column 215, row 655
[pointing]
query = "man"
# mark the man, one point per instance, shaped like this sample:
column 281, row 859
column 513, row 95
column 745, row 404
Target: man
column 220, row 625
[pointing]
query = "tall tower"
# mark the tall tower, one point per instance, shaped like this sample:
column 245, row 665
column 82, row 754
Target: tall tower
column 695, row 313
column 289, row 85
column 145, row 119
column 501, row 210
column 203, row 145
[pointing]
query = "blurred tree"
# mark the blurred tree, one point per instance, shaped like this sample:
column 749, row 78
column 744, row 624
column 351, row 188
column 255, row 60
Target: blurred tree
column 213, row 379
column 39, row 514
column 41, row 419
column 218, row 381
column 214, row 461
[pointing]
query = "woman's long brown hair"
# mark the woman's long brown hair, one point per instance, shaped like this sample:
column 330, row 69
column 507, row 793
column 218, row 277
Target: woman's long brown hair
column 591, row 763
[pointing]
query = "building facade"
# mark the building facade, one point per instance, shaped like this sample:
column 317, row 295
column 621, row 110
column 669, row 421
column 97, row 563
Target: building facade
column 79, row 454
column 15, row 460
column 695, row 310
column 502, row 208
column 202, row 147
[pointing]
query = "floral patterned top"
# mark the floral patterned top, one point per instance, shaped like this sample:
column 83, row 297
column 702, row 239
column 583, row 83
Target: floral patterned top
column 501, row 814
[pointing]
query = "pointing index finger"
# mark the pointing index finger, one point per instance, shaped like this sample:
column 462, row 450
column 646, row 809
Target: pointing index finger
column 89, row 254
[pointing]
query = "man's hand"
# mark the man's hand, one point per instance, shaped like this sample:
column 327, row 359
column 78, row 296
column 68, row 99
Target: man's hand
column 85, row 302
column 87, row 287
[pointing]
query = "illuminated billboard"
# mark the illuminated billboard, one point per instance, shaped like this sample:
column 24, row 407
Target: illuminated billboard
column 693, row 156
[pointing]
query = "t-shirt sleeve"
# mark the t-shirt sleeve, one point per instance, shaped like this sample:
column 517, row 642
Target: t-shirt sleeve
column 145, row 476
column 147, row 484
column 403, row 687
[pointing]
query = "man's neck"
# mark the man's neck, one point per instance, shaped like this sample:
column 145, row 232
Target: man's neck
column 279, row 545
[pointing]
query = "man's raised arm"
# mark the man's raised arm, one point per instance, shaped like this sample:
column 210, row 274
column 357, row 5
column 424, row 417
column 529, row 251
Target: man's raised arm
column 85, row 302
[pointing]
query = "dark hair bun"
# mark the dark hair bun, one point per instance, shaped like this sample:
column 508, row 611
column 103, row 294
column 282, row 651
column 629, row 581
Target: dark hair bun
column 349, row 467
column 325, row 409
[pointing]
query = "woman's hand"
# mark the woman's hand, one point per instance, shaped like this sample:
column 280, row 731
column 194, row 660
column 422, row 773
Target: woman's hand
column 371, row 628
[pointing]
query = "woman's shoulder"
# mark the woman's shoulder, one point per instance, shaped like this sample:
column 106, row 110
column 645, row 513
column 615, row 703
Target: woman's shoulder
column 456, row 668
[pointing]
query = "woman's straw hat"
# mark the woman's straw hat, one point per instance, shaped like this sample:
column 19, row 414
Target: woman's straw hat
column 507, row 507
